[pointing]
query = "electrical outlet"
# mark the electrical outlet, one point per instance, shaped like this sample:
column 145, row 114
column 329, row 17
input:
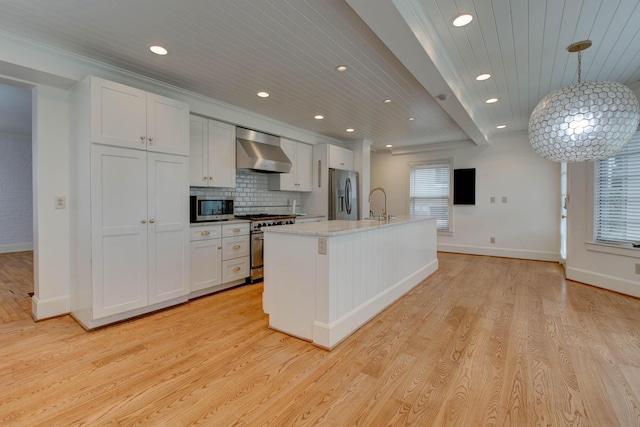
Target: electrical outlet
column 492, row 199
column 492, row 239
column 637, row 267
column 504, row 199
column 322, row 245
column 60, row 202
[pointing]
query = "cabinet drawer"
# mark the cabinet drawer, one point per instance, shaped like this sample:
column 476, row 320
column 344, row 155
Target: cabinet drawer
column 235, row 269
column 235, row 247
column 231, row 230
column 205, row 233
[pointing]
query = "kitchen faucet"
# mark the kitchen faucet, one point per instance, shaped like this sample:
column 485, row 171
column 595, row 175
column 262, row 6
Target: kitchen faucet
column 384, row 212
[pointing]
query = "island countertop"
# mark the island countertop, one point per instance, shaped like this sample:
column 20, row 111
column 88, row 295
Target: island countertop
column 338, row 227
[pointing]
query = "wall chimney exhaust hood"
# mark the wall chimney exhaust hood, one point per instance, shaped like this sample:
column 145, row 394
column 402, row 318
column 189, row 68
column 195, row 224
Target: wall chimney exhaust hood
column 260, row 152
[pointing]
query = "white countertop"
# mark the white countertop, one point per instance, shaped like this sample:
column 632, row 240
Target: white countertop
column 338, row 227
column 210, row 223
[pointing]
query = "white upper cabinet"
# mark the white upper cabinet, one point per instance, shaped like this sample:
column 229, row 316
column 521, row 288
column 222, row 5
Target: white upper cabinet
column 198, row 152
column 212, row 153
column 132, row 118
column 167, row 125
column 300, row 178
column 340, row 158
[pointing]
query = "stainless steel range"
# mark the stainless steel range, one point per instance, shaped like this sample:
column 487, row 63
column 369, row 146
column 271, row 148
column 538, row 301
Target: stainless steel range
column 258, row 222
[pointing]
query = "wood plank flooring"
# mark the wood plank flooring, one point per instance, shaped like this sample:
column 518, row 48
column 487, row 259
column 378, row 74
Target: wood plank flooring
column 16, row 281
column 483, row 342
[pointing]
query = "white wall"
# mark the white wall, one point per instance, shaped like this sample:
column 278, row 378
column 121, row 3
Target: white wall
column 615, row 269
column 527, row 226
column 16, row 226
column 50, row 179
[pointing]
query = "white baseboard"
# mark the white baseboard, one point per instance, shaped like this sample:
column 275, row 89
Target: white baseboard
column 52, row 307
column 16, row 247
column 328, row 336
column 501, row 252
column 623, row 286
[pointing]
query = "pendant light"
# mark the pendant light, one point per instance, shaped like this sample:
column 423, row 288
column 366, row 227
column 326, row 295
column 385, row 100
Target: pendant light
column 585, row 120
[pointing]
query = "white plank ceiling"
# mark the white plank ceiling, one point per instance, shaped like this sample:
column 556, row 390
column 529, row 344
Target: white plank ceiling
column 229, row 50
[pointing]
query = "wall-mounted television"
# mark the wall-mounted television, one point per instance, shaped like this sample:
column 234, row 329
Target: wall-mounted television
column 464, row 186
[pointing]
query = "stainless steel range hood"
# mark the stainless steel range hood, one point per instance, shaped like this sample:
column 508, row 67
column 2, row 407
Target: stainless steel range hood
column 260, row 152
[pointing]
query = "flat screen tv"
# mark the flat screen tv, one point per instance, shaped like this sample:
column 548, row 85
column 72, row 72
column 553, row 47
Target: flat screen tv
column 464, row 186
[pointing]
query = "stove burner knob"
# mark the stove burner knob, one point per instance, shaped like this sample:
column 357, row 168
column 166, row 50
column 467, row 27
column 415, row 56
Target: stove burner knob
column 259, row 225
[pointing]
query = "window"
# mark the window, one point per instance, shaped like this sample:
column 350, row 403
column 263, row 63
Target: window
column 429, row 191
column 617, row 195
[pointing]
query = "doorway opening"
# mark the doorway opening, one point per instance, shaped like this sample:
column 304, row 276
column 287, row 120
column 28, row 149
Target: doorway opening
column 16, row 209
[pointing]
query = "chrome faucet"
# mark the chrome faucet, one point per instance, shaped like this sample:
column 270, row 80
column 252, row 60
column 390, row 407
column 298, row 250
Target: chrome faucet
column 384, row 212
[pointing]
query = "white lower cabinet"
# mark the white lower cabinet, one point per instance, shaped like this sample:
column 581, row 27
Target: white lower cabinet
column 206, row 257
column 219, row 257
column 129, row 250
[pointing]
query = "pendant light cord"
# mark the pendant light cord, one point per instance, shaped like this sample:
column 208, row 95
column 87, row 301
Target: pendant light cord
column 579, row 66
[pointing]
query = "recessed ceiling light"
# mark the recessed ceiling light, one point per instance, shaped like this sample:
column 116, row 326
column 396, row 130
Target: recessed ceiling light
column 388, row 145
column 411, row 119
column 318, row 117
column 387, row 101
column 501, row 126
column 263, row 94
column 158, row 50
column 484, row 76
column 491, row 100
column 462, row 20
column 350, row 130
column 341, row 68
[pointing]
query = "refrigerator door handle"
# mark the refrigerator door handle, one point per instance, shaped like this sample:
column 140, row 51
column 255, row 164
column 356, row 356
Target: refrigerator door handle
column 347, row 190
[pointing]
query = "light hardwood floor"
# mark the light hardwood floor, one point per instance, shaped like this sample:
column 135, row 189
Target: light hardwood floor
column 16, row 281
column 483, row 342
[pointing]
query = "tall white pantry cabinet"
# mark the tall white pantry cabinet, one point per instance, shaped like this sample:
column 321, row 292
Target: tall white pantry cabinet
column 129, row 211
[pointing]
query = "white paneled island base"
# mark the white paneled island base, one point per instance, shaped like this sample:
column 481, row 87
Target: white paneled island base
column 323, row 280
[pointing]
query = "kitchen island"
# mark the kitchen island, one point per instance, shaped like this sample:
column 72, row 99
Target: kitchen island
column 323, row 280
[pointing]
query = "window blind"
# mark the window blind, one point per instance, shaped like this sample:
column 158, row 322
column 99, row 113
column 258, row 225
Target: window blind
column 617, row 195
column 429, row 191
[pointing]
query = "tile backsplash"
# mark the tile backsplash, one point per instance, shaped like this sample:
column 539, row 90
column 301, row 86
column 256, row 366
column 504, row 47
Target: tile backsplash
column 251, row 195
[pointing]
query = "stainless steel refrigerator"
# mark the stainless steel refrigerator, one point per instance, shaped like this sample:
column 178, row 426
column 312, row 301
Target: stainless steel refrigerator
column 343, row 194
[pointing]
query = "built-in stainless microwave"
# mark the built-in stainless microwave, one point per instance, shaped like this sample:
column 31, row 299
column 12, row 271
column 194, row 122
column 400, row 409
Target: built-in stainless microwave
column 206, row 208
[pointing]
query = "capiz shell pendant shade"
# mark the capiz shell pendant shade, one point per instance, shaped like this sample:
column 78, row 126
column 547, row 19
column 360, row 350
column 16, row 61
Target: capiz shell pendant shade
column 584, row 121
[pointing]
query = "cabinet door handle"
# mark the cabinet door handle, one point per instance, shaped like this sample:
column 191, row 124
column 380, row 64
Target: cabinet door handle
column 236, row 246
column 219, row 247
column 150, row 139
column 152, row 220
column 205, row 233
column 210, row 178
column 236, row 269
column 236, row 230
column 142, row 138
column 144, row 221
